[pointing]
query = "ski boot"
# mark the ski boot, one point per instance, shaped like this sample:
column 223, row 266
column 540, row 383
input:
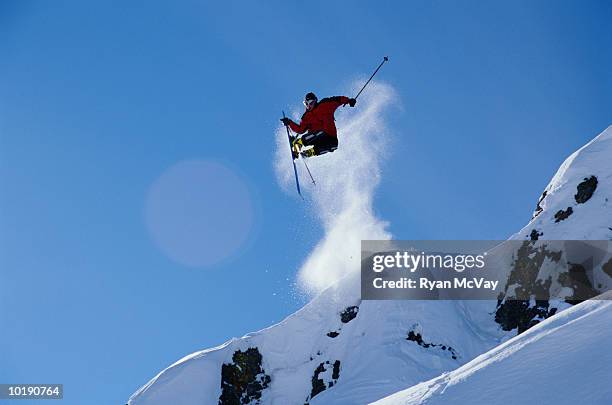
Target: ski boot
column 308, row 153
column 296, row 146
column 296, row 142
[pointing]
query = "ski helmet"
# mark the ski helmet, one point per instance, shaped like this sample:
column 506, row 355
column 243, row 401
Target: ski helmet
column 310, row 96
column 310, row 99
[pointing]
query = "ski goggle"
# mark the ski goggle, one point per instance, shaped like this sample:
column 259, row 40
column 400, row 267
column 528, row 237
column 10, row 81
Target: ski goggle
column 309, row 103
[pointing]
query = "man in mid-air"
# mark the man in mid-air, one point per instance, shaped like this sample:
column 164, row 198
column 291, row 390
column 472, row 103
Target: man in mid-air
column 317, row 126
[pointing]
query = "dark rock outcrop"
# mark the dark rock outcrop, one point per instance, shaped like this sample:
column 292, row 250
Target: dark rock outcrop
column 416, row 337
column 515, row 311
column 539, row 208
column 535, row 234
column 243, row 380
column 563, row 215
column 521, row 315
column 349, row 313
column 576, row 279
column 586, row 189
column 335, row 372
column 319, row 384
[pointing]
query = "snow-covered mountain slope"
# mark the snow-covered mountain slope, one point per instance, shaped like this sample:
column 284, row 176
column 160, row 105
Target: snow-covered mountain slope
column 566, row 359
column 334, row 350
column 340, row 350
column 577, row 203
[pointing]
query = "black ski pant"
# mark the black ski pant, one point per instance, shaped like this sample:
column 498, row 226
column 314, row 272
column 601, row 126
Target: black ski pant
column 321, row 141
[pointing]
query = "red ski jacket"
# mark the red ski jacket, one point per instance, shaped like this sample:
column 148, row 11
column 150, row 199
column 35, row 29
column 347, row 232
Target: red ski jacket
column 321, row 117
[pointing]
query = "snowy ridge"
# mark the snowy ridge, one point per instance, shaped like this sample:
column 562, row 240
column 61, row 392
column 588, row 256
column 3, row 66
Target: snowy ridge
column 565, row 359
column 339, row 350
column 592, row 221
column 373, row 351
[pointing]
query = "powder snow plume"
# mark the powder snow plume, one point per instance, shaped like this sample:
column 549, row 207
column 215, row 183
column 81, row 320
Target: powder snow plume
column 346, row 180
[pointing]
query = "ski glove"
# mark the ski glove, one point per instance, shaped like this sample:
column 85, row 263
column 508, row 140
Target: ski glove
column 285, row 121
column 352, row 102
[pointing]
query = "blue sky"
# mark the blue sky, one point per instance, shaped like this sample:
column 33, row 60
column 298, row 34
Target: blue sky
column 99, row 99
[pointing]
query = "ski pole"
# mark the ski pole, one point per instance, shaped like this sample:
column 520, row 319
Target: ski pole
column 297, row 181
column 308, row 170
column 385, row 59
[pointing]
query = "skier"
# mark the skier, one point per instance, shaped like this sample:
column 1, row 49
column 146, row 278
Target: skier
column 317, row 126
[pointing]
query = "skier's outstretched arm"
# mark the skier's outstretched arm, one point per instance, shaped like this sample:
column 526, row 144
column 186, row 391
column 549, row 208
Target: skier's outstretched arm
column 297, row 128
column 340, row 100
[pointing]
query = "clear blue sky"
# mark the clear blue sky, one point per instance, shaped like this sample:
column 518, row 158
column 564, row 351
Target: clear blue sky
column 98, row 99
